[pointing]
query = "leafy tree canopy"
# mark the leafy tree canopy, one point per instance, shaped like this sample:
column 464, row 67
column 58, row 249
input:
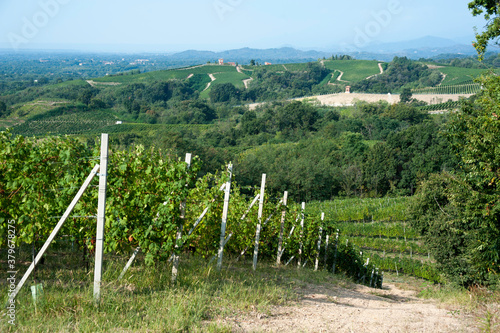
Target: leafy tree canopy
column 490, row 9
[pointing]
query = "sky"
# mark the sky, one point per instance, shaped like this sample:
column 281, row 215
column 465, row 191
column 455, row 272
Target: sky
column 215, row 25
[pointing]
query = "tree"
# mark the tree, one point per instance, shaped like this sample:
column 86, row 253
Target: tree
column 3, row 109
column 85, row 96
column 223, row 92
column 296, row 115
column 252, row 62
column 459, row 214
column 161, row 91
column 491, row 12
column 405, row 96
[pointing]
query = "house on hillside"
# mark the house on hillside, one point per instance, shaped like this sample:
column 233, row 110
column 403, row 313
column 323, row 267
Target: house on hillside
column 221, row 61
column 232, row 63
column 267, row 63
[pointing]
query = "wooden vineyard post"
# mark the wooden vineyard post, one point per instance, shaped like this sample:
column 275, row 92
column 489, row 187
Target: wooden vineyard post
column 101, row 217
column 336, row 251
column 319, row 241
column 242, row 218
column 225, row 209
column 263, row 225
column 49, row 240
column 326, row 249
column 259, row 221
column 178, row 240
column 301, row 234
column 280, row 241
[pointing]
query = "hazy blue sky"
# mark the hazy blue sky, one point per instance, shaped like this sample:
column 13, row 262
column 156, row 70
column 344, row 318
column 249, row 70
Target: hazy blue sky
column 153, row 25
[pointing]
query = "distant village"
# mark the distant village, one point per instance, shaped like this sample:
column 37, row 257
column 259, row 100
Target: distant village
column 221, row 62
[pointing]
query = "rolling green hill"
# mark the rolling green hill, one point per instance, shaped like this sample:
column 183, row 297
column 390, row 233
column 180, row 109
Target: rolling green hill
column 354, row 70
column 349, row 71
column 458, row 75
column 37, row 110
column 164, row 75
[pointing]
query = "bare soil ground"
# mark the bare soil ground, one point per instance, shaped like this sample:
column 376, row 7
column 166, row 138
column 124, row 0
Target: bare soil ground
column 381, row 71
column 343, row 99
column 212, row 77
column 350, row 99
column 247, row 81
column 95, row 84
column 324, row 308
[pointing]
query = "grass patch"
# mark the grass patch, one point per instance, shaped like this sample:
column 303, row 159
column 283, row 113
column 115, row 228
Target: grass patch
column 458, row 75
column 146, row 300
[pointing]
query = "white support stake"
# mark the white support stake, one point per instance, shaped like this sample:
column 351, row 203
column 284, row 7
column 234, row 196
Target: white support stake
column 250, row 207
column 259, row 222
column 282, row 228
column 326, row 248
column 224, row 218
column 301, row 234
column 336, row 251
column 242, row 218
column 198, row 221
column 319, row 241
column 101, row 218
column 272, row 214
column 129, row 263
column 178, row 238
column 59, row 225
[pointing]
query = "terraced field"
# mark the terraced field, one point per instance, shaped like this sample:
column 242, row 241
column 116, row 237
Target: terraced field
column 458, row 76
column 165, row 75
column 354, row 70
column 73, row 123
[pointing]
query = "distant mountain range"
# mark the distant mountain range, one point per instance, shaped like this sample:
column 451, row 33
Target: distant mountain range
column 425, row 47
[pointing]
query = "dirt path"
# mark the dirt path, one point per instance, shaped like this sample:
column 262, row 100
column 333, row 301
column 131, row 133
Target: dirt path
column 362, row 309
column 188, row 68
column 444, row 78
column 94, row 84
column 246, row 81
column 212, row 77
column 340, row 76
column 381, row 71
